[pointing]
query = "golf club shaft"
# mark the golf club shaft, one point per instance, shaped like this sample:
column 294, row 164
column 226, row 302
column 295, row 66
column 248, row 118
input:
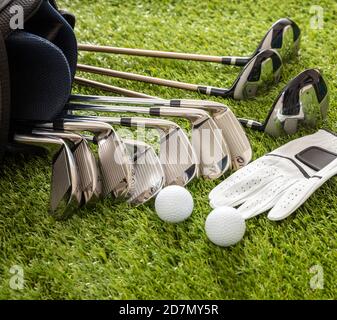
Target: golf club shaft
column 158, row 81
column 153, row 101
column 123, row 121
column 228, row 60
column 110, row 88
column 118, row 100
column 189, row 113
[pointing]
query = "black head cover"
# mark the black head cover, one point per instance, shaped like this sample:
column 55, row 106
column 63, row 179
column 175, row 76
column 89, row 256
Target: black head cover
column 40, row 77
column 48, row 23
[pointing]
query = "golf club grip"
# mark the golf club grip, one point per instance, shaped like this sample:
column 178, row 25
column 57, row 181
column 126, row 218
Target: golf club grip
column 216, row 92
column 110, row 88
column 150, row 53
column 255, row 125
column 235, row 61
column 137, row 77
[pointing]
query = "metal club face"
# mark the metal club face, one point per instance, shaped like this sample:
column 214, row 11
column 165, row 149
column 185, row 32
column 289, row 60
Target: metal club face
column 284, row 36
column 210, row 148
column 233, row 132
column 235, row 136
column 65, row 194
column 238, row 143
column 65, row 186
column 305, row 100
column 258, row 75
column 115, row 167
column 208, row 143
column 149, row 175
column 89, row 176
column 176, row 154
column 91, row 183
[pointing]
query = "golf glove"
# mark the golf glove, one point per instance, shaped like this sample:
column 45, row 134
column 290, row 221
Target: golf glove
column 281, row 180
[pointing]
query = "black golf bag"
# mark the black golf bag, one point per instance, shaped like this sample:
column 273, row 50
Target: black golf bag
column 37, row 64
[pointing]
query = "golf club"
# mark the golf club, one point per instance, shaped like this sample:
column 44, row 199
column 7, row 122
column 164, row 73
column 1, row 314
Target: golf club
column 207, row 140
column 177, row 157
column 89, row 176
column 283, row 36
column 233, row 132
column 263, row 70
column 305, row 100
column 65, row 194
column 149, row 173
column 113, row 158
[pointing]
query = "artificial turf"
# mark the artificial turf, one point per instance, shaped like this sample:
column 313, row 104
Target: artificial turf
column 115, row 251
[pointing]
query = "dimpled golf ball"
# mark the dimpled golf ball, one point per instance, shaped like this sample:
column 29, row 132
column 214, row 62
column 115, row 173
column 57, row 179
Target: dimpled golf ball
column 225, row 226
column 174, row 204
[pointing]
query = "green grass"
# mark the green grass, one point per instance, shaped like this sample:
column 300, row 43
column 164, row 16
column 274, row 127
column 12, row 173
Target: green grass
column 115, row 251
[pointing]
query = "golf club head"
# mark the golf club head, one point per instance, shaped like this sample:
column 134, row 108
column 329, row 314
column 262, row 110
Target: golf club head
column 262, row 71
column 176, row 153
column 65, row 185
column 149, row 175
column 234, row 134
column 178, row 157
column 210, row 147
column 90, row 180
column 116, row 169
column 305, row 100
column 208, row 143
column 238, row 143
column 284, row 37
column 232, row 130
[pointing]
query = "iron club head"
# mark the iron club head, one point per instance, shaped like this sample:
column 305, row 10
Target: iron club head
column 65, row 194
column 113, row 159
column 90, row 180
column 233, row 132
column 149, row 175
column 207, row 140
column 177, row 156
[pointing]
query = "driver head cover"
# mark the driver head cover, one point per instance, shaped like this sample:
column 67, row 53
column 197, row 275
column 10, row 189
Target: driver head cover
column 281, row 180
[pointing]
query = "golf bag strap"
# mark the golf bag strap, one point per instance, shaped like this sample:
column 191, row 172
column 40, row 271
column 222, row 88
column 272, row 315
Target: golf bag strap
column 4, row 97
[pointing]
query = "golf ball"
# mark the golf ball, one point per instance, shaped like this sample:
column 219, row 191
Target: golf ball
column 174, row 204
column 225, row 226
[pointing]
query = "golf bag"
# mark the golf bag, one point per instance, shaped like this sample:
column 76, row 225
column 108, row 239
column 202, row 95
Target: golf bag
column 37, row 64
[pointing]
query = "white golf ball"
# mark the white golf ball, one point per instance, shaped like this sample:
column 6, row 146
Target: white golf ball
column 225, row 226
column 174, row 204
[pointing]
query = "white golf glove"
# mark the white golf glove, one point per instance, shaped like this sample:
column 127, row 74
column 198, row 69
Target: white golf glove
column 281, row 180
